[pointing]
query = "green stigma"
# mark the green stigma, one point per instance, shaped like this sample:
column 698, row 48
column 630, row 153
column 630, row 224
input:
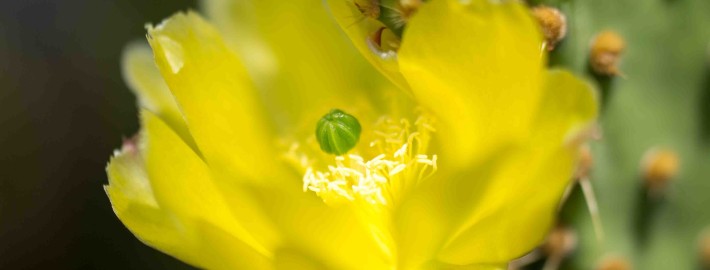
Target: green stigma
column 337, row 132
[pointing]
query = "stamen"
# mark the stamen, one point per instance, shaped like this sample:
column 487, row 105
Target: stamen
column 401, row 164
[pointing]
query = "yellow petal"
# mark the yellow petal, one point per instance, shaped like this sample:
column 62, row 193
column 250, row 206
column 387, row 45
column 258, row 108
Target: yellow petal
column 143, row 78
column 568, row 110
column 515, row 210
column 309, row 231
column 360, row 30
column 183, row 185
column 477, row 66
column 202, row 245
column 214, row 92
column 154, row 227
column 429, row 215
column 127, row 176
column 503, row 206
column 325, row 235
column 221, row 250
column 133, row 202
column 300, row 61
column 518, row 205
column 287, row 259
column 208, row 85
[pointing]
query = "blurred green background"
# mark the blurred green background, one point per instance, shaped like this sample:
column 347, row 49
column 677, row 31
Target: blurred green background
column 63, row 109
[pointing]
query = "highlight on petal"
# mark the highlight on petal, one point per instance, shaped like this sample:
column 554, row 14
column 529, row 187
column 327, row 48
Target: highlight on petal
column 215, row 94
column 478, row 67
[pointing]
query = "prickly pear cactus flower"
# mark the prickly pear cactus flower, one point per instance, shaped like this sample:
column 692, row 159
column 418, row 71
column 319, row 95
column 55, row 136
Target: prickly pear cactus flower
column 269, row 142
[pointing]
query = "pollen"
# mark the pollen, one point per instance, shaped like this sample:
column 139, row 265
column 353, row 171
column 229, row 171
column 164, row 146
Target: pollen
column 378, row 172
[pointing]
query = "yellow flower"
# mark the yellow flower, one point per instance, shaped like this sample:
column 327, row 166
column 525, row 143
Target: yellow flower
column 462, row 166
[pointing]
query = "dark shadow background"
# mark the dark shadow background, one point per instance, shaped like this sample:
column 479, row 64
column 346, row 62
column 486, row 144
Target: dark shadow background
column 63, row 109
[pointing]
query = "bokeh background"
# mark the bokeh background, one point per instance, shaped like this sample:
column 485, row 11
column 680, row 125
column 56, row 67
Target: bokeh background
column 63, row 109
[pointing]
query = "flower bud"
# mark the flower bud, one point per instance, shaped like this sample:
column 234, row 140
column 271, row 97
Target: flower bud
column 704, row 248
column 614, row 263
column 553, row 23
column 560, row 242
column 658, row 167
column 337, row 132
column 606, row 51
column 585, row 163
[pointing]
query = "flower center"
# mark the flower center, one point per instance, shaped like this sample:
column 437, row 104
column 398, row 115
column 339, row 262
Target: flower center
column 397, row 161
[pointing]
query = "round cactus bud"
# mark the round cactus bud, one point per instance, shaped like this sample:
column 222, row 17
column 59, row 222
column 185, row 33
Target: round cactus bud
column 337, row 132
column 585, row 163
column 553, row 24
column 658, row 167
column 606, row 52
column 560, row 242
column 614, row 263
column 704, row 248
